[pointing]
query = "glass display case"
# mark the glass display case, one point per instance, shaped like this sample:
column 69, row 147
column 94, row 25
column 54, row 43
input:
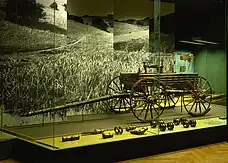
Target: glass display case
column 77, row 73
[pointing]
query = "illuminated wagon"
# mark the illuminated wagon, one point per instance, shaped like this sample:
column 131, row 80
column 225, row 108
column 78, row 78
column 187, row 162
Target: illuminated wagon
column 147, row 95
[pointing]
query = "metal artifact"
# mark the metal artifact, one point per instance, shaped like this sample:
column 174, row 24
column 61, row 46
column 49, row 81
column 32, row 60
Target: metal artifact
column 170, row 125
column 182, row 120
column 107, row 135
column 129, row 128
column 153, row 124
column 97, row 131
column 192, row 123
column 147, row 95
column 139, row 131
column 70, row 138
column 176, row 121
column 186, row 124
column 162, row 126
column 118, row 130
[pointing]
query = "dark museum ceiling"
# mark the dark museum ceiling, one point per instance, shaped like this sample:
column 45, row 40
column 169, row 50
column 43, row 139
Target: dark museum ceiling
column 204, row 19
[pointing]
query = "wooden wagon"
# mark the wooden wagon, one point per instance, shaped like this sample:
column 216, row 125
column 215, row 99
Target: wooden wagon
column 148, row 94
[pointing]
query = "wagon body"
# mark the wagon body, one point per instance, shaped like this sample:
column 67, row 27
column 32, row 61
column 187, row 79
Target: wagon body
column 153, row 92
column 173, row 81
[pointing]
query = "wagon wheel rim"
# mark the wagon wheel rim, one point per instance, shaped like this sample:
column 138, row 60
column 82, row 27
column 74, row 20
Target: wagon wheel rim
column 119, row 104
column 149, row 101
column 199, row 101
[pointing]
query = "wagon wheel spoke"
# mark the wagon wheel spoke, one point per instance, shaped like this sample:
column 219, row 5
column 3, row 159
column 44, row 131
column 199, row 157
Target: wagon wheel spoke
column 127, row 101
column 155, row 109
column 205, row 101
column 200, row 107
column 120, row 103
column 116, row 102
column 192, row 106
column 192, row 100
column 124, row 103
column 138, row 106
column 201, row 93
column 168, row 100
column 151, row 112
column 112, row 89
column 117, row 105
column 147, row 109
column 196, row 107
column 204, row 106
column 141, row 110
column 119, row 88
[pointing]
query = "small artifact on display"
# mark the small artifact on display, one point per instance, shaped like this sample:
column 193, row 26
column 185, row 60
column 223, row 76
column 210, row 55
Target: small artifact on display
column 170, row 125
column 186, row 124
column 139, row 131
column 182, row 120
column 70, row 138
column 129, row 128
column 97, row 131
column 153, row 124
column 162, row 126
column 107, row 135
column 192, row 123
column 118, row 130
column 176, row 121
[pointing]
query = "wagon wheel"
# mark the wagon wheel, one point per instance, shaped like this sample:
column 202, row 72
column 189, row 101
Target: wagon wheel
column 121, row 104
column 200, row 97
column 147, row 99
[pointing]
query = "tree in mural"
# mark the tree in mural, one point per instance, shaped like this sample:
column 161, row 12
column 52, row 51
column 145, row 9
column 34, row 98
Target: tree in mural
column 65, row 7
column 23, row 11
column 98, row 22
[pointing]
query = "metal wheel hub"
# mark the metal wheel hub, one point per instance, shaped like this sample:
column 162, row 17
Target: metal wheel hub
column 197, row 96
column 151, row 100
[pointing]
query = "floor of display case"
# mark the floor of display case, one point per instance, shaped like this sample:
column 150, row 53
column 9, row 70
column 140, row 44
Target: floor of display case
column 97, row 139
column 77, row 124
column 209, row 129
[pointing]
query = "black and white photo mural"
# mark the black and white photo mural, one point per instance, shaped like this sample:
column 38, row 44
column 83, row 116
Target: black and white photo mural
column 131, row 33
column 33, row 38
column 55, row 52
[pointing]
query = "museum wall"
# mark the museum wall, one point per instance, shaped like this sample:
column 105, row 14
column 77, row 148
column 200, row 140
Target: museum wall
column 212, row 65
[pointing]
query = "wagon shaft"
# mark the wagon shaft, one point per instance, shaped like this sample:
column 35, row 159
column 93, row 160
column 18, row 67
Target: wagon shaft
column 74, row 104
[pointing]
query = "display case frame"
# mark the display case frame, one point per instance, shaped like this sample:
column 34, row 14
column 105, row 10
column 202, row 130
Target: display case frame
column 52, row 140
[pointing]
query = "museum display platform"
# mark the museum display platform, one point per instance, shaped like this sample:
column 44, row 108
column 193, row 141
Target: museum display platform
column 121, row 148
column 44, row 142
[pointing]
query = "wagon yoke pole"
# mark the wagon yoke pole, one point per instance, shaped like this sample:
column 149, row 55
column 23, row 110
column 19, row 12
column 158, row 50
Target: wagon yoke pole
column 75, row 104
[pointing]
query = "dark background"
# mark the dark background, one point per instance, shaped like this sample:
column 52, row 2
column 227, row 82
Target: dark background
column 204, row 19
